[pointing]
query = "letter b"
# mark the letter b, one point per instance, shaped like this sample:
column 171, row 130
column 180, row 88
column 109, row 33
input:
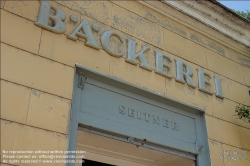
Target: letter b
column 52, row 22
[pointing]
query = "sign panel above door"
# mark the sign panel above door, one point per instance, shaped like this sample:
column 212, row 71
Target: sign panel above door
column 109, row 104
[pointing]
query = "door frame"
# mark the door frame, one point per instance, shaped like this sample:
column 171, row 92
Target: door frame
column 82, row 73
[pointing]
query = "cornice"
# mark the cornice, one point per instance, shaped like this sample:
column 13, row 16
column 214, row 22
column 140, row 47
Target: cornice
column 216, row 17
column 220, row 6
column 206, row 7
column 211, row 14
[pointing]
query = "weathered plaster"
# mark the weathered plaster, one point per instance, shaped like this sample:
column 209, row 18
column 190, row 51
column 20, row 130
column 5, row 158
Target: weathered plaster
column 216, row 17
column 208, row 27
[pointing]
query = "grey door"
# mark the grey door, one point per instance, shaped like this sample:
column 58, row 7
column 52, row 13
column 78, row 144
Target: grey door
column 145, row 118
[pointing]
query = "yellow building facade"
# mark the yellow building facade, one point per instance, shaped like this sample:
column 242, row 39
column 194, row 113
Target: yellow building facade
column 192, row 53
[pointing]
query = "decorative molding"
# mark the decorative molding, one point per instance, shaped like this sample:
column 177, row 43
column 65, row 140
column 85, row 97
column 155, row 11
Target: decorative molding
column 211, row 14
column 218, row 15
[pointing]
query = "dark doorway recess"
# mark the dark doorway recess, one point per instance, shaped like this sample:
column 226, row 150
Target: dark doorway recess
column 93, row 163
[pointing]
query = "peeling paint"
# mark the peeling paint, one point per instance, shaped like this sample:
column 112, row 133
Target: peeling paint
column 196, row 38
column 137, row 26
column 98, row 10
column 27, row 9
column 166, row 24
column 244, row 62
column 36, row 93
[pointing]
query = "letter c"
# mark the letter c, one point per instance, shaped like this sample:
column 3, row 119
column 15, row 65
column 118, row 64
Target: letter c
column 105, row 41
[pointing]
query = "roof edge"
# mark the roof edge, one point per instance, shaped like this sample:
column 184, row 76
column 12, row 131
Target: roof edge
column 229, row 10
column 214, row 15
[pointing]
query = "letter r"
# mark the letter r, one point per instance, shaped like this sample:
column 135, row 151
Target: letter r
column 45, row 17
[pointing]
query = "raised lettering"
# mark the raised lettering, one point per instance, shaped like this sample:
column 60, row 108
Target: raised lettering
column 156, row 120
column 52, row 22
column 131, row 112
column 175, row 126
column 132, row 55
column 165, row 123
column 147, row 117
column 183, row 70
column 122, row 109
column 160, row 65
column 83, row 30
column 202, row 82
column 105, row 41
column 138, row 115
column 217, row 82
column 244, row 154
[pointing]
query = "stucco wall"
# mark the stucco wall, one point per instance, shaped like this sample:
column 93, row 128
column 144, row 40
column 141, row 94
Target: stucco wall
column 37, row 70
